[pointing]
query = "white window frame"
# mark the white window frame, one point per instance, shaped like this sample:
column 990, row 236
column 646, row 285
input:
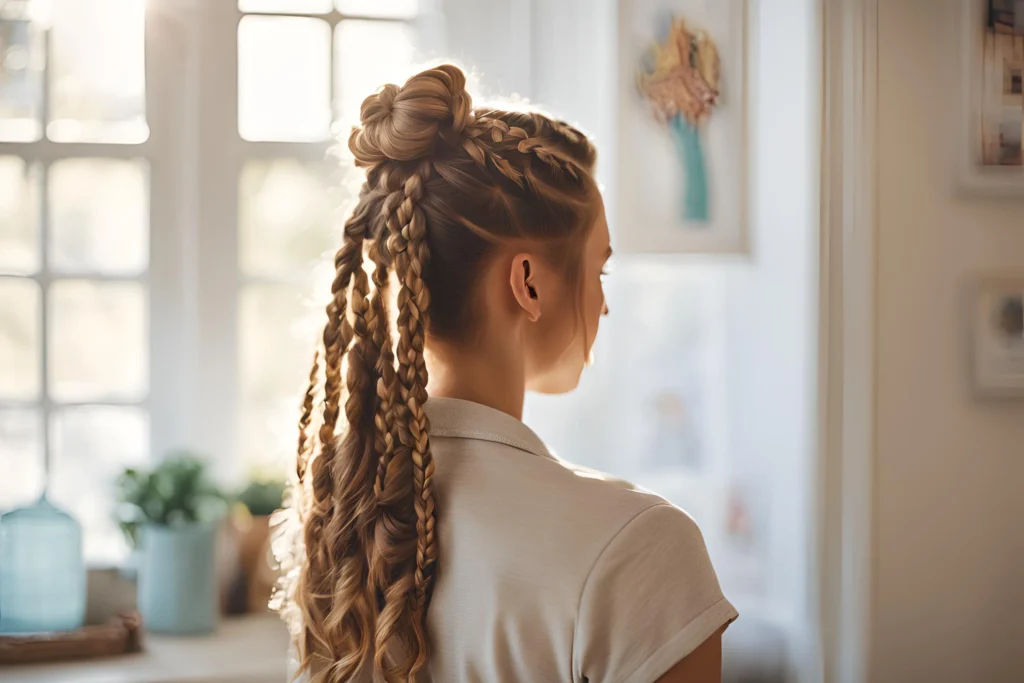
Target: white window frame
column 195, row 156
column 221, row 154
column 42, row 154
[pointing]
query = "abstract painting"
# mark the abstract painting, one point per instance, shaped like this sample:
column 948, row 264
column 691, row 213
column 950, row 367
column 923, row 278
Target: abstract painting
column 683, row 114
column 679, row 78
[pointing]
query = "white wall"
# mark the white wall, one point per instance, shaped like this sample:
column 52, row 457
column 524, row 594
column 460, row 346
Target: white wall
column 948, row 584
column 773, row 296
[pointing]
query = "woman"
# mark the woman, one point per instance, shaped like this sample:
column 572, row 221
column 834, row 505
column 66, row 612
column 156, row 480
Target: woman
column 441, row 540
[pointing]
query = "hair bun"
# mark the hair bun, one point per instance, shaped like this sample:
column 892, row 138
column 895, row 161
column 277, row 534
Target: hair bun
column 402, row 123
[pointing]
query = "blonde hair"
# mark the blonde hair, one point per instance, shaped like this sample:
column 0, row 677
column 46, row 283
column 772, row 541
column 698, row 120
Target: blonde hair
column 445, row 185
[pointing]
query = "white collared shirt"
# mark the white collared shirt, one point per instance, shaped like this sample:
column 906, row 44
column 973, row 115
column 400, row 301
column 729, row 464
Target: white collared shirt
column 550, row 572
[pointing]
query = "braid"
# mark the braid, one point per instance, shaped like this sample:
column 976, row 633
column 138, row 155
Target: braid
column 397, row 532
column 305, row 446
column 381, row 334
column 352, row 611
column 481, row 153
column 337, row 336
column 317, row 578
column 550, row 155
column 384, row 417
column 541, row 146
column 412, row 257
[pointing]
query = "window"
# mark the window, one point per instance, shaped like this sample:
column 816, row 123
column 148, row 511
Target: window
column 301, row 79
column 161, row 265
column 74, row 255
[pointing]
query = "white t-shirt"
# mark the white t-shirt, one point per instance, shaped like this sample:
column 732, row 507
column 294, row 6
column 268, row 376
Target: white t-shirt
column 550, row 572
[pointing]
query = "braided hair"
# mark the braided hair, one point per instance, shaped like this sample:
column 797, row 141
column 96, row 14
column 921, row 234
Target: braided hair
column 446, row 185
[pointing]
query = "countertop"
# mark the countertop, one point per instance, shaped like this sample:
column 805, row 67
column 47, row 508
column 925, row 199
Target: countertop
column 249, row 649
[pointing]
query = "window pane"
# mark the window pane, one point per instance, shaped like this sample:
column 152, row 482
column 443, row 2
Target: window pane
column 19, row 339
column 356, row 75
column 277, row 331
column 21, row 457
column 675, row 380
column 284, row 79
column 379, row 8
column 19, row 216
column 21, row 77
column 91, row 446
column 277, row 335
column 97, row 88
column 268, row 433
column 97, row 341
column 99, row 216
column 288, row 6
column 285, row 221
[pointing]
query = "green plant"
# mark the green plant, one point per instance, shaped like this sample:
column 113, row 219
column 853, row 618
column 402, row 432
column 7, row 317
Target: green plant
column 262, row 497
column 175, row 493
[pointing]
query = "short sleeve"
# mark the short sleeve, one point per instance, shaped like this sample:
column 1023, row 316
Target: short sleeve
column 650, row 599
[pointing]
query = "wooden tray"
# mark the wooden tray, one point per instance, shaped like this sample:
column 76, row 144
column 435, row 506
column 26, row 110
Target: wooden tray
column 122, row 634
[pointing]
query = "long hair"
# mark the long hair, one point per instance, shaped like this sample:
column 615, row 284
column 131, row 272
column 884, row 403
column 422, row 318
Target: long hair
column 446, row 185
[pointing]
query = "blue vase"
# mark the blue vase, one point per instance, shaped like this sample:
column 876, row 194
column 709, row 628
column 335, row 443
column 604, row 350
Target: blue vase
column 688, row 146
column 177, row 578
column 42, row 571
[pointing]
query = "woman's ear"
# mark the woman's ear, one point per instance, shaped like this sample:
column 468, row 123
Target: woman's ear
column 524, row 285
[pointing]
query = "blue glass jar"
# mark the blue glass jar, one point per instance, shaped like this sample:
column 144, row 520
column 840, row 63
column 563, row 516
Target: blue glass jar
column 42, row 571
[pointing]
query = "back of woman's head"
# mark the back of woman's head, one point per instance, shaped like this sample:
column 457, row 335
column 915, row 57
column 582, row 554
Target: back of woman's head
column 447, row 185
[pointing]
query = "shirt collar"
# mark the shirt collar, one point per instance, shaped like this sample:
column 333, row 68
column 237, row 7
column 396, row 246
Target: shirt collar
column 458, row 419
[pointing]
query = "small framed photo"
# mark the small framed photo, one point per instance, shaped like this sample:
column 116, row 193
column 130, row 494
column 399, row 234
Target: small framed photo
column 997, row 330
column 991, row 96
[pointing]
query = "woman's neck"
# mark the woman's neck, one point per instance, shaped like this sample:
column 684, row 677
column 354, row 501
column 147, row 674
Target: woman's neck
column 491, row 374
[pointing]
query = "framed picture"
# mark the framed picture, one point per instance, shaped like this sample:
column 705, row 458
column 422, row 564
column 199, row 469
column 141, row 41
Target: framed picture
column 683, row 104
column 992, row 96
column 997, row 329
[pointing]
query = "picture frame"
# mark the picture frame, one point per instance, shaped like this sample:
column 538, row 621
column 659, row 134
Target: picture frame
column 654, row 166
column 989, row 55
column 997, row 336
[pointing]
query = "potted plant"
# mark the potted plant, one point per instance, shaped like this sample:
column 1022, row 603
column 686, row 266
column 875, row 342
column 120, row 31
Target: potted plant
column 255, row 582
column 171, row 515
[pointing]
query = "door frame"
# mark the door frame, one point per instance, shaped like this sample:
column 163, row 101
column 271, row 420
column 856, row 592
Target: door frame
column 847, row 336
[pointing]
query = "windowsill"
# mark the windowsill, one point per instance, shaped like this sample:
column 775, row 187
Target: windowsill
column 243, row 650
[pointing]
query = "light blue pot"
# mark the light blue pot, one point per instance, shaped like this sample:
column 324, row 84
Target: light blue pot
column 178, row 579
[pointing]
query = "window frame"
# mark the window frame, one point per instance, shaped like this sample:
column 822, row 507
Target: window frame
column 195, row 157
column 39, row 156
column 223, row 155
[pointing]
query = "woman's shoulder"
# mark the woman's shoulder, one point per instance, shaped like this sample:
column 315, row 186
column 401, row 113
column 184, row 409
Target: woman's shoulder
column 650, row 596
column 632, row 507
